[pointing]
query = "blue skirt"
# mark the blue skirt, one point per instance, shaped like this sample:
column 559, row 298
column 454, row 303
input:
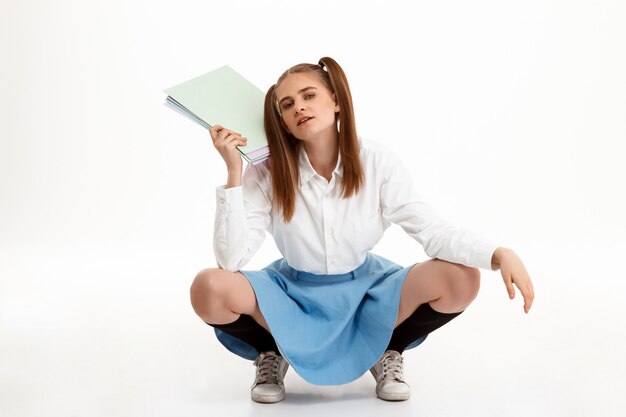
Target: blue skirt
column 330, row 328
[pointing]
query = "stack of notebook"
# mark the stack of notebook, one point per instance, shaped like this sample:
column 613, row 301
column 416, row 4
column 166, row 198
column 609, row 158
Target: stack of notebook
column 224, row 97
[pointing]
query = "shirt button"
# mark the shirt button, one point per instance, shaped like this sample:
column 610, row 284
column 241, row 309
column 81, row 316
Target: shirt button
column 222, row 200
column 332, row 262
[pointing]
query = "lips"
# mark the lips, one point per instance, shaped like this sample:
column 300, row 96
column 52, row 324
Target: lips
column 304, row 119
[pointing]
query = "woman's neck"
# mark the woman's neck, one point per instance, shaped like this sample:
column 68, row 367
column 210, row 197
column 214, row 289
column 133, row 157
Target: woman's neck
column 323, row 153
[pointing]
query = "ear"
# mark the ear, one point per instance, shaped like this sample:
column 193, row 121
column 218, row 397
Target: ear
column 336, row 104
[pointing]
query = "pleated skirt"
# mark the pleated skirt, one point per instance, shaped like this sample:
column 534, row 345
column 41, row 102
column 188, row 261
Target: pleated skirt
column 330, row 328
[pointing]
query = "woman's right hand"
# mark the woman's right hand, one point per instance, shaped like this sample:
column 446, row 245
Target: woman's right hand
column 226, row 142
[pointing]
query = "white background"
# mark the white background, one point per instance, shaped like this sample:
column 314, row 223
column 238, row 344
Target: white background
column 510, row 115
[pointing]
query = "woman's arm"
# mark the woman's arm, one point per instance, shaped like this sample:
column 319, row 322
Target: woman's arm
column 440, row 239
column 514, row 272
column 234, row 178
column 404, row 206
column 242, row 217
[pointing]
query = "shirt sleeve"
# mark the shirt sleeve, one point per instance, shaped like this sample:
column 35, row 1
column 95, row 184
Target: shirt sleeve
column 402, row 205
column 242, row 217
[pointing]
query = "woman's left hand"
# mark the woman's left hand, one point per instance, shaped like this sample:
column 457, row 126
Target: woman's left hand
column 514, row 272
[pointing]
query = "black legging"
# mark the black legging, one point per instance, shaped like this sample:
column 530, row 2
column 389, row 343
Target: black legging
column 423, row 321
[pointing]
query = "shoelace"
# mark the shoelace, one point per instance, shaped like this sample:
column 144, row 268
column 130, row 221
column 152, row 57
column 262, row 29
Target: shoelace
column 392, row 366
column 267, row 371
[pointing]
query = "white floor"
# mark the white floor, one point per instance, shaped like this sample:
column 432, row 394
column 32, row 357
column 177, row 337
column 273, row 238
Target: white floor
column 110, row 332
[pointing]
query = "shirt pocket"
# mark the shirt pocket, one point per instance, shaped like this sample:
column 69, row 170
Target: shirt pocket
column 367, row 230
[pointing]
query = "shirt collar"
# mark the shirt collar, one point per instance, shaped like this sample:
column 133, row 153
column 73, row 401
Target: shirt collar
column 306, row 169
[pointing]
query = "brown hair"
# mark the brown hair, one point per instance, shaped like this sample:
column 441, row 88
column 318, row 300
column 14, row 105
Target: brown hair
column 283, row 161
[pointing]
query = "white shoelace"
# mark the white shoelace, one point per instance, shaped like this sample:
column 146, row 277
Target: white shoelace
column 392, row 363
column 267, row 368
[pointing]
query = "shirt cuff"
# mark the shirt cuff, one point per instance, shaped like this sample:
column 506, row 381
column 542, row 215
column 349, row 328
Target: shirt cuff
column 484, row 253
column 229, row 199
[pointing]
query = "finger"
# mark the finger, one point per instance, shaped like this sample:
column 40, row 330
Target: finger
column 221, row 129
column 509, row 286
column 225, row 135
column 528, row 297
column 215, row 131
column 528, row 300
column 232, row 137
column 215, row 128
column 234, row 141
column 531, row 296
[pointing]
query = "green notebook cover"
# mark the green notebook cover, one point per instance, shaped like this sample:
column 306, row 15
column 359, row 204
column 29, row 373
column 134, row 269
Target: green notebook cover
column 224, row 97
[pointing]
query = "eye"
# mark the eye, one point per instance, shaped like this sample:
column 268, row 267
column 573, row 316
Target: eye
column 288, row 104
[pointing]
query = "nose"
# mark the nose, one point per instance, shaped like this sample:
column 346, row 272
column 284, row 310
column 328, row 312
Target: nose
column 299, row 106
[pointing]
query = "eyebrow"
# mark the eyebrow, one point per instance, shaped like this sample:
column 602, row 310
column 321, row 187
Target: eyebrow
column 299, row 91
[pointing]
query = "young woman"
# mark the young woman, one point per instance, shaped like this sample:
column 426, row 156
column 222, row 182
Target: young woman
column 329, row 307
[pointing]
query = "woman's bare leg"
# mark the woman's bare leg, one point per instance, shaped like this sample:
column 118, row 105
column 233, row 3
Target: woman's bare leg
column 219, row 296
column 447, row 286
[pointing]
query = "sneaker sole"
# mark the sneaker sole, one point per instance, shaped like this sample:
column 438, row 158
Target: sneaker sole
column 393, row 397
column 266, row 399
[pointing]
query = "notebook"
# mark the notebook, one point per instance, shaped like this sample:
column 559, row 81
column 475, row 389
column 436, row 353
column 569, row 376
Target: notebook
column 224, row 97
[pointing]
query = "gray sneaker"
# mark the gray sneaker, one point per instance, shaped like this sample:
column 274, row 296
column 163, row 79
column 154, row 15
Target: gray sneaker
column 268, row 385
column 389, row 377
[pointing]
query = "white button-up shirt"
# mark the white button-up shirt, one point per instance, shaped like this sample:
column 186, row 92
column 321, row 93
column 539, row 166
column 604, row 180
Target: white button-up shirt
column 331, row 235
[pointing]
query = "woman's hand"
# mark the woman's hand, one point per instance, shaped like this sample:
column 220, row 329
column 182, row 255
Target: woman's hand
column 226, row 142
column 514, row 272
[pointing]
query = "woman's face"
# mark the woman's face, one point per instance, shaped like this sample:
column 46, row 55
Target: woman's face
column 302, row 95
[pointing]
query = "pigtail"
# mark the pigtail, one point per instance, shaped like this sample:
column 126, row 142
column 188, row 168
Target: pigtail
column 348, row 139
column 283, row 158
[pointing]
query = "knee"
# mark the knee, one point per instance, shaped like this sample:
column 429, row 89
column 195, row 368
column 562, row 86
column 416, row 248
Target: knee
column 206, row 292
column 471, row 279
column 465, row 284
